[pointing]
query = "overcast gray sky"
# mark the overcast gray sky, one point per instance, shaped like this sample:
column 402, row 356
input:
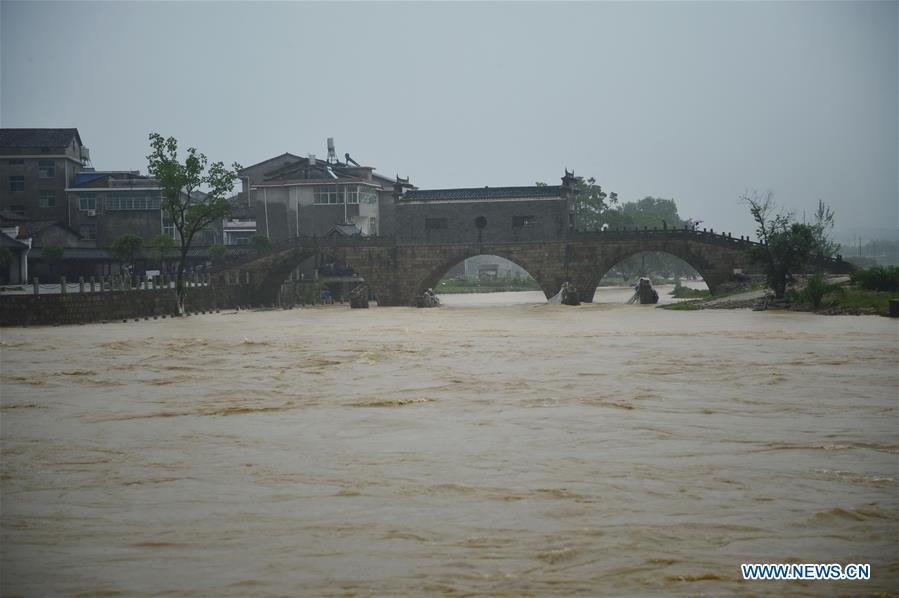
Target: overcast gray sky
column 695, row 101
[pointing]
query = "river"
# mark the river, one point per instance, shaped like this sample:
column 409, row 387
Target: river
column 493, row 446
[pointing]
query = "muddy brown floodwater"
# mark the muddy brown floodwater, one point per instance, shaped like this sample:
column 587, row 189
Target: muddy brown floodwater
column 495, row 450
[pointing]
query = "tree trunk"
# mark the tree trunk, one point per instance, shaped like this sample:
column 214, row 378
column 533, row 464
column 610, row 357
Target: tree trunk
column 180, row 289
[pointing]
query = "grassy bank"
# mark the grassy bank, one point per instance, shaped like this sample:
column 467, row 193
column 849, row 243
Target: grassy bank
column 852, row 300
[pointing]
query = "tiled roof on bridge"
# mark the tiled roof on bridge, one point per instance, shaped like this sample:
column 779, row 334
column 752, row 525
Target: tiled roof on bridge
column 484, row 193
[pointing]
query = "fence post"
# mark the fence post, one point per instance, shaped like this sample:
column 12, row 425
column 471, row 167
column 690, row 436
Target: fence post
column 37, row 286
column 92, row 284
column 62, row 285
column 81, row 284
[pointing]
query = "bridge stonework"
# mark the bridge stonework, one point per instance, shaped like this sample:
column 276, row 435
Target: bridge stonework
column 398, row 272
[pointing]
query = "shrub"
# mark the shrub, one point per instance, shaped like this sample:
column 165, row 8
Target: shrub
column 816, row 287
column 878, row 278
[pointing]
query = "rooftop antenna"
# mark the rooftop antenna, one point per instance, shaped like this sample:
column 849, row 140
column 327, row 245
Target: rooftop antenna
column 332, row 154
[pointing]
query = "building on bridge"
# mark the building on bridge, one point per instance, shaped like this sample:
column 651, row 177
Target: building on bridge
column 294, row 196
column 484, row 214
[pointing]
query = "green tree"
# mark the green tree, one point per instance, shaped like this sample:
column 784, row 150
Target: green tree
column 260, row 241
column 126, row 249
column 649, row 212
column 53, row 255
column 786, row 245
column 188, row 213
column 652, row 212
column 216, row 253
column 591, row 204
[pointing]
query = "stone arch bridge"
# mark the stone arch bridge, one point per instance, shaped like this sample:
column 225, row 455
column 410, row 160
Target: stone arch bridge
column 397, row 272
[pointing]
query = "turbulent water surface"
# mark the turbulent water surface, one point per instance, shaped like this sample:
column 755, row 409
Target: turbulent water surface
column 501, row 449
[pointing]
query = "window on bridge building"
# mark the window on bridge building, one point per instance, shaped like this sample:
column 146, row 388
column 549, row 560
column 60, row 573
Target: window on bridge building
column 435, row 223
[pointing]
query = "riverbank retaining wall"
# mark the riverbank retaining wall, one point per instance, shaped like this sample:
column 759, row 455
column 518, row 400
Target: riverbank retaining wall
column 82, row 308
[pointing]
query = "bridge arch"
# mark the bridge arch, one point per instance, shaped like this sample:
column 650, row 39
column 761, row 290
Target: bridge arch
column 713, row 263
column 284, row 264
column 608, row 266
column 430, row 276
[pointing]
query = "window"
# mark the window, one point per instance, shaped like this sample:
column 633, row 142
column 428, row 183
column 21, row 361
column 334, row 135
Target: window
column 131, row 201
column 519, row 221
column 168, row 228
column 88, row 231
column 435, row 223
column 47, row 199
column 17, row 209
column 16, row 161
column 327, row 195
column 238, row 237
column 16, row 184
column 352, row 194
column 87, row 201
column 46, row 169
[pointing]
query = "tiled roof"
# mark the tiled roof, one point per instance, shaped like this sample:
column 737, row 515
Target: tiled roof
column 7, row 241
column 38, row 137
column 10, row 216
column 284, row 155
column 34, row 227
column 240, row 209
column 483, row 193
column 340, row 181
column 346, row 230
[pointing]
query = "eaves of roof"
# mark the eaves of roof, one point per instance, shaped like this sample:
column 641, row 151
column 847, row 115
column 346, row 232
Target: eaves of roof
column 484, row 193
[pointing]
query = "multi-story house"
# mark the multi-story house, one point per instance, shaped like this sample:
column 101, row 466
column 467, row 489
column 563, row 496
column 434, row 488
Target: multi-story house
column 294, row 196
column 239, row 226
column 36, row 167
column 106, row 205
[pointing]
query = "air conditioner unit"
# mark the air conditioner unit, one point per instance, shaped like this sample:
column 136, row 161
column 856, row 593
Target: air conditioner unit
column 91, row 212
